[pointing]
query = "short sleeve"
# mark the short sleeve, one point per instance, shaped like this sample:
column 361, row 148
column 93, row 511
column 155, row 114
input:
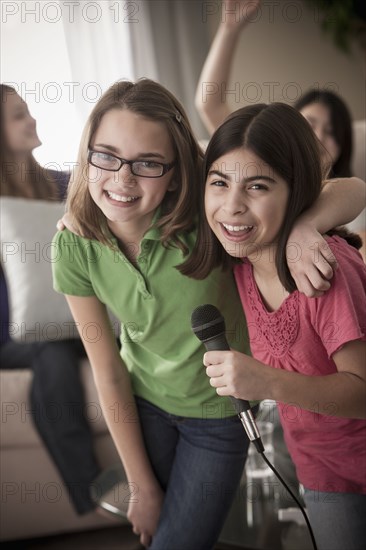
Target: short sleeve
column 340, row 312
column 70, row 266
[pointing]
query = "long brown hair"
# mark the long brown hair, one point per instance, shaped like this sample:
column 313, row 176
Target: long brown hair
column 280, row 136
column 179, row 207
column 41, row 183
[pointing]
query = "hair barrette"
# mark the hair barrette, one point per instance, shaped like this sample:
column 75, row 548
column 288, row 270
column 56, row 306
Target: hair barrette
column 178, row 117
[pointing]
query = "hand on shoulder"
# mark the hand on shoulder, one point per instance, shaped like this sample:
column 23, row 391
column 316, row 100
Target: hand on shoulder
column 66, row 222
column 310, row 260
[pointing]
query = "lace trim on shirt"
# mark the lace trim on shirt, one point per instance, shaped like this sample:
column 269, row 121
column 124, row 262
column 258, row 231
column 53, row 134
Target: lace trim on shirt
column 277, row 330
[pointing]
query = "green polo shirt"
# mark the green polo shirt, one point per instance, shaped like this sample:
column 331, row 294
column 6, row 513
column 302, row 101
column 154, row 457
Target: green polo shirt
column 154, row 303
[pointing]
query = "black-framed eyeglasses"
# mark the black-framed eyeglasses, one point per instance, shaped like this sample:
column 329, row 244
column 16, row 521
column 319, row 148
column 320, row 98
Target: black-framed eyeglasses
column 144, row 168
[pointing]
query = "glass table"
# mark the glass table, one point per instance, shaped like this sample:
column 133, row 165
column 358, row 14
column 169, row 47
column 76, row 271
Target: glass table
column 253, row 522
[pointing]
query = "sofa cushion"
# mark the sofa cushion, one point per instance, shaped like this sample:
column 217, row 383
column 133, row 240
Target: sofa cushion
column 37, row 312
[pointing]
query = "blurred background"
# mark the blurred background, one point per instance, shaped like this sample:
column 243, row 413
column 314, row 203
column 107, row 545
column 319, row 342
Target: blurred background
column 61, row 55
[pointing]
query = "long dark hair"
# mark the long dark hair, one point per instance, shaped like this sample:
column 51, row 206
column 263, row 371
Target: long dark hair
column 341, row 123
column 280, row 136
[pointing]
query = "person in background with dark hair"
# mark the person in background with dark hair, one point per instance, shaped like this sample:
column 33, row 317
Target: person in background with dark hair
column 262, row 169
column 54, row 364
column 330, row 119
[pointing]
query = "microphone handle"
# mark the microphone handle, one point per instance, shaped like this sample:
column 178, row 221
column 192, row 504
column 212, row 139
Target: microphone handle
column 241, row 406
column 219, row 343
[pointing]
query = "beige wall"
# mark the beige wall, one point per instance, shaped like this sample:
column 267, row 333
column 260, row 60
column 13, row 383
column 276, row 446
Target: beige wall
column 285, row 52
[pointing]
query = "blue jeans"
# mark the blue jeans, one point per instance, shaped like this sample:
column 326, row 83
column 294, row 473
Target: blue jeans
column 337, row 519
column 199, row 464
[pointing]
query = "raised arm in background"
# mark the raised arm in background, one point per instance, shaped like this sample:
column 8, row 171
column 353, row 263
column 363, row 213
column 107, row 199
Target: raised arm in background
column 235, row 16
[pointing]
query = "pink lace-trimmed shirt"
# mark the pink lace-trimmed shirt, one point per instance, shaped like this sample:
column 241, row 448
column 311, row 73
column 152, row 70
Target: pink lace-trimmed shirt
column 301, row 336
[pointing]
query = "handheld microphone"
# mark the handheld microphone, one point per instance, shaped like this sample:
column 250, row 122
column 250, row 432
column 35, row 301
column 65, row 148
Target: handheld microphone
column 209, row 326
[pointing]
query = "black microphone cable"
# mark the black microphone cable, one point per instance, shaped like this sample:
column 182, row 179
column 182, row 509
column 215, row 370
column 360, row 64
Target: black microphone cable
column 209, row 326
column 277, row 474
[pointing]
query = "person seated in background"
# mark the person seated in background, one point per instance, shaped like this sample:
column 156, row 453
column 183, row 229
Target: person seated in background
column 326, row 112
column 54, row 364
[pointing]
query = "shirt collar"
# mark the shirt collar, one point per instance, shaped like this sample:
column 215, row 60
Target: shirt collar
column 152, row 234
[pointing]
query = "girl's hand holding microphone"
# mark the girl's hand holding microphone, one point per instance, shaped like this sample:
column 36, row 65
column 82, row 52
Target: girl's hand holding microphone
column 235, row 374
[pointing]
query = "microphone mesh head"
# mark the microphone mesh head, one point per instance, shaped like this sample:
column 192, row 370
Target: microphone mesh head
column 207, row 322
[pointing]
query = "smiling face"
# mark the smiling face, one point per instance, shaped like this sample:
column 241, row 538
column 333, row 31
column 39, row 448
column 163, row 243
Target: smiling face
column 19, row 126
column 128, row 201
column 245, row 202
column 318, row 116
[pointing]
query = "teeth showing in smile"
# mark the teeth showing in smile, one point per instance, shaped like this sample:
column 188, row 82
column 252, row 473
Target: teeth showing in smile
column 119, row 198
column 234, row 228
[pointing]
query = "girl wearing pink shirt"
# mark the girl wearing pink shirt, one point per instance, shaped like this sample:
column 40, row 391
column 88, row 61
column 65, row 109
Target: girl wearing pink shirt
column 262, row 170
